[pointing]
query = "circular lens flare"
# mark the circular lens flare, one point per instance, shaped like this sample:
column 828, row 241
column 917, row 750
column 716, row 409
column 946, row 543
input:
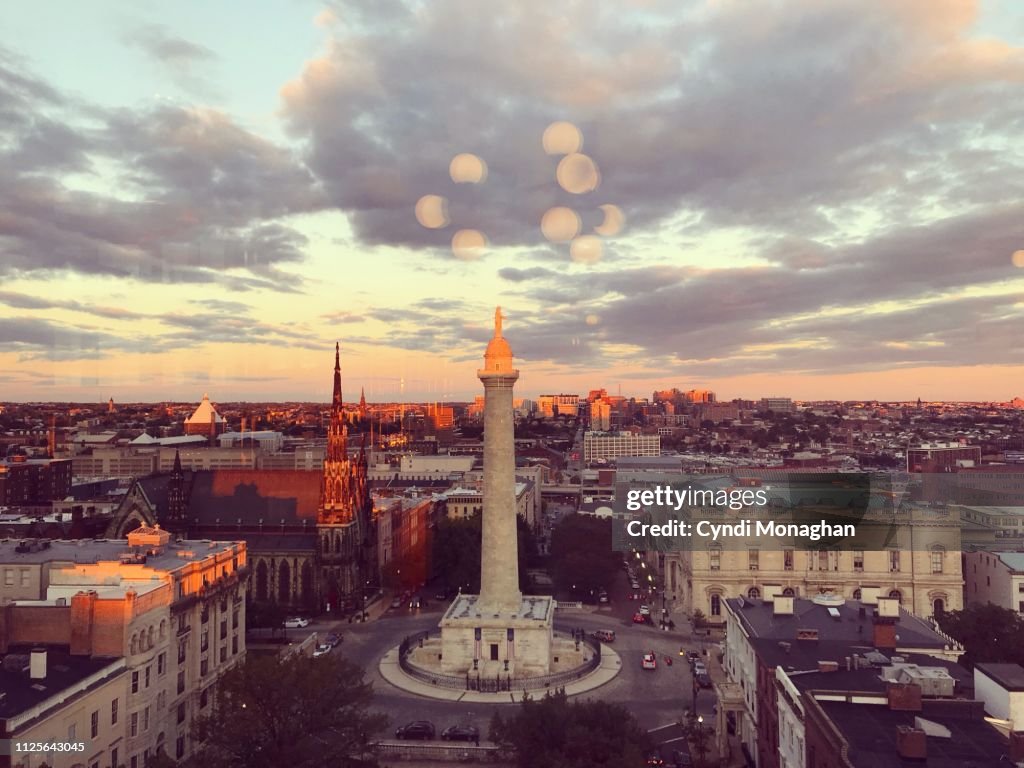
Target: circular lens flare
column 432, row 211
column 1018, row 259
column 467, row 169
column 577, row 174
column 469, row 244
column 586, row 249
column 562, row 138
column 560, row 225
column 614, row 221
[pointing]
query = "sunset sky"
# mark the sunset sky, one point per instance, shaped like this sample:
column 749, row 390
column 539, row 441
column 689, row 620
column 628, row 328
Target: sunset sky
column 821, row 199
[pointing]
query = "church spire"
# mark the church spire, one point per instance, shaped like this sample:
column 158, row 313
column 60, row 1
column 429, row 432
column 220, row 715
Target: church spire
column 336, row 401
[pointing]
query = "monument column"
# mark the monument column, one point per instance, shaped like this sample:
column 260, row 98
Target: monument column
column 499, row 567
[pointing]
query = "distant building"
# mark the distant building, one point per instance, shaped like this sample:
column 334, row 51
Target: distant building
column 264, row 440
column 33, row 482
column 550, row 406
column 777, row 404
column 205, row 421
column 600, row 415
column 942, row 457
column 995, row 577
column 611, row 445
column 699, row 396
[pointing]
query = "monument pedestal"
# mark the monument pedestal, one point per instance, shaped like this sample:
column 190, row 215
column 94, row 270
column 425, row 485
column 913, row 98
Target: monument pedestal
column 522, row 638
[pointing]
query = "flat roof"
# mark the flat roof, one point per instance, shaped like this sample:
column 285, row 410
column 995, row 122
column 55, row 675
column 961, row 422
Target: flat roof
column 63, row 672
column 91, row 551
column 1009, row 676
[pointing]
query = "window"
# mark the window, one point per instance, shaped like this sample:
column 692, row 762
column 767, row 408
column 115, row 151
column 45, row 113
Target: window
column 789, row 592
column 113, row 757
column 715, row 558
column 205, row 642
column 753, row 559
column 24, row 577
column 1020, row 606
column 894, row 560
column 181, row 681
column 753, row 593
column 234, row 620
column 181, row 713
column 179, row 747
column 856, row 594
column 204, row 699
column 161, row 663
column 823, row 560
column 147, row 675
column 72, row 732
column 182, row 651
column 234, row 644
column 135, row 681
column 858, row 560
column 134, row 731
column 204, row 667
column 787, row 559
column 205, row 616
column 224, row 629
column 938, row 555
column 113, row 712
column 134, row 761
column 145, row 719
column 94, row 724
column 8, row 577
column 896, row 595
column 223, row 653
column 716, row 605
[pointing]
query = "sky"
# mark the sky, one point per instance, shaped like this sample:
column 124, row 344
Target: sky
column 819, row 200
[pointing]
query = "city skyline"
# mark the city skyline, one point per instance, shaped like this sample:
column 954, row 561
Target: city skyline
column 821, row 202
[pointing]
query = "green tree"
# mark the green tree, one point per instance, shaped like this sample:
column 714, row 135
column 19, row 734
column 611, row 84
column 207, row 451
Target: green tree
column 297, row 711
column 582, row 558
column 987, row 632
column 554, row 732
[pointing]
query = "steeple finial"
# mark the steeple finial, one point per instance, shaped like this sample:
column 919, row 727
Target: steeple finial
column 336, row 400
column 497, row 323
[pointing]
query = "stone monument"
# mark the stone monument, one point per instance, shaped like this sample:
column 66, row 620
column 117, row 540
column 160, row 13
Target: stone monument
column 499, row 632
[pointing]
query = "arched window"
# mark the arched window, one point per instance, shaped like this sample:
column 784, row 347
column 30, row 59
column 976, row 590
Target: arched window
column 938, row 606
column 149, row 638
column 163, row 628
column 134, row 645
column 753, row 593
column 716, row 605
column 284, row 583
column 896, row 595
column 856, row 594
column 262, row 579
column 788, row 592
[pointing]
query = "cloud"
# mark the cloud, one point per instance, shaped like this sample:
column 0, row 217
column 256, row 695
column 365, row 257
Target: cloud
column 179, row 58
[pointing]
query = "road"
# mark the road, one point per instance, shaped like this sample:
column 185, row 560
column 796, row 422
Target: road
column 657, row 698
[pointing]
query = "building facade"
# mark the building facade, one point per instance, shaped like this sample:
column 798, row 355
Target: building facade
column 612, row 445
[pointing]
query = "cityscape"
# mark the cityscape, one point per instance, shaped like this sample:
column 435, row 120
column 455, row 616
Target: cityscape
column 551, row 385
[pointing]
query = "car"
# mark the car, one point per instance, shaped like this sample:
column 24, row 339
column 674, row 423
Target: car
column 654, row 758
column 604, row 635
column 415, row 603
column 692, row 656
column 644, row 610
column 332, row 639
column 417, row 729
column 296, row 623
column 681, row 759
column 397, row 602
column 634, row 585
column 321, row 650
column 461, row 733
column 649, row 661
column 639, row 618
column 704, row 680
column 699, row 668
column 441, row 595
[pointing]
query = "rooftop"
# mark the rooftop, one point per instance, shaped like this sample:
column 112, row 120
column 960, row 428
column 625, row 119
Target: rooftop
column 1009, row 676
column 65, row 676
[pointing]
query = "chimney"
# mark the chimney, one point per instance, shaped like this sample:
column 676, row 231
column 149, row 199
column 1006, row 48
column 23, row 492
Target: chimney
column 904, row 697
column 885, row 636
column 828, row 666
column 1017, row 746
column 37, row 664
column 911, row 743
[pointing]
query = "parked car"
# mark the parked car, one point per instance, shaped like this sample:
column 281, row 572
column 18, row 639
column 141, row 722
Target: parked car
column 699, row 668
column 692, row 657
column 634, row 584
column 414, row 603
column 397, row 602
column 296, row 623
column 655, row 758
column 332, row 639
column 602, row 596
column 417, row 729
column 639, row 618
column 649, row 661
column 644, row 610
column 704, row 680
column 441, row 595
column 321, row 650
column 604, row 635
column 461, row 733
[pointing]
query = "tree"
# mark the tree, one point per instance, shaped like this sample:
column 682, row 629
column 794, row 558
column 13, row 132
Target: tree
column 457, row 547
column 582, row 558
column 987, row 632
column 297, row 711
column 553, row 732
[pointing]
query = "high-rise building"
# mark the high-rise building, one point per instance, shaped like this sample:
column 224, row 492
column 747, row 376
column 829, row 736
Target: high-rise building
column 611, row 445
column 551, row 406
